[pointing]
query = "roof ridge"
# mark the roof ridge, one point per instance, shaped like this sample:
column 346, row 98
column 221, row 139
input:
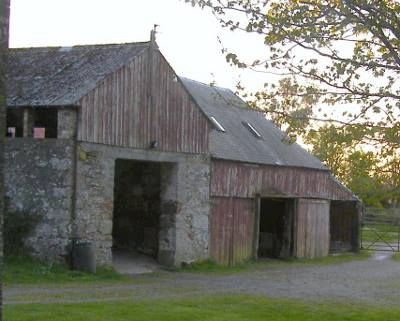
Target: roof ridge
column 82, row 46
column 203, row 83
column 248, row 108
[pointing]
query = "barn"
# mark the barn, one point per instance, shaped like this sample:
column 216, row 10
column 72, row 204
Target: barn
column 107, row 144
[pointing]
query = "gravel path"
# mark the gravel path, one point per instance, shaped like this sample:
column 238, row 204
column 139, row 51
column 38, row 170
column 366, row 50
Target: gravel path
column 376, row 280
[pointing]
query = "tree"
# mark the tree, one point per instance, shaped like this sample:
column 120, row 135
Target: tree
column 330, row 50
column 4, row 27
column 359, row 170
column 338, row 62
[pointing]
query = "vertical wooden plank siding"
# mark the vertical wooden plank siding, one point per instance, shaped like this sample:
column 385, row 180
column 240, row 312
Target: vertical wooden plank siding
column 231, row 230
column 119, row 111
column 221, row 230
column 243, row 229
column 234, row 179
column 312, row 228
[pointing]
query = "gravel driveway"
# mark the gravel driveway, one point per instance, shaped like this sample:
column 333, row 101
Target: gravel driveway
column 375, row 280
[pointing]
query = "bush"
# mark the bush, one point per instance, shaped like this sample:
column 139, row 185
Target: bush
column 18, row 225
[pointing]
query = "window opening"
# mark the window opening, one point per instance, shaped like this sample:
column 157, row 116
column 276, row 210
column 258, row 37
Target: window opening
column 252, row 130
column 217, row 124
column 14, row 123
column 45, row 123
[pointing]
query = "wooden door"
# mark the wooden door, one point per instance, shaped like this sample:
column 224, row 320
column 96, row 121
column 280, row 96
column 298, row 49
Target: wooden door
column 231, row 230
column 311, row 228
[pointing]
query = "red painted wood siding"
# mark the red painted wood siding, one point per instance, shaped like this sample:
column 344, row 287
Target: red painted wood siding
column 233, row 179
column 118, row 111
column 231, row 229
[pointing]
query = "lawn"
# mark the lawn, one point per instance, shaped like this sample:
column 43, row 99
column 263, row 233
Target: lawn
column 211, row 267
column 380, row 233
column 396, row 256
column 218, row 308
column 26, row 271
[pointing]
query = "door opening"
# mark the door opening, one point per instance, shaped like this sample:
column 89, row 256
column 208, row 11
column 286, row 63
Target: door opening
column 136, row 217
column 275, row 228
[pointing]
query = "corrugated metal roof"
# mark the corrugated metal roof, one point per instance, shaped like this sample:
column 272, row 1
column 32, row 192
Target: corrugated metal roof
column 238, row 142
column 60, row 76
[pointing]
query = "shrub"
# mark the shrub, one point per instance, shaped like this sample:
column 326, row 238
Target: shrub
column 18, row 225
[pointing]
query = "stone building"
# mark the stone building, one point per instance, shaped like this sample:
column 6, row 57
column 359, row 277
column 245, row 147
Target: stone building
column 107, row 144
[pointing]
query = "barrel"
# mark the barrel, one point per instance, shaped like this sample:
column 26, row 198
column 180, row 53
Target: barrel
column 84, row 256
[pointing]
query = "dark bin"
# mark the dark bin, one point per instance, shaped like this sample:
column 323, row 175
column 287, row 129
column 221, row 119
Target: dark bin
column 83, row 256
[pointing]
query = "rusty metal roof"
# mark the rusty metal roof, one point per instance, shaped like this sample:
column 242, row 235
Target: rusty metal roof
column 239, row 143
column 60, row 76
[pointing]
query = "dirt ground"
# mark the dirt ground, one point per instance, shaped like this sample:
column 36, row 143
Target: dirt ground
column 374, row 280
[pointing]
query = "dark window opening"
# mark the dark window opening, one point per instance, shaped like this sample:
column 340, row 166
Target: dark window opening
column 14, row 122
column 44, row 123
column 275, row 234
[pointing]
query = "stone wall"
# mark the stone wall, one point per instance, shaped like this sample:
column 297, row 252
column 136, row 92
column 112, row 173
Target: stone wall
column 184, row 201
column 193, row 210
column 38, row 180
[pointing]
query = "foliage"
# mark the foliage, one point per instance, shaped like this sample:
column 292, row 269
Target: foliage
column 337, row 62
column 22, row 270
column 224, row 307
column 18, row 225
column 362, row 171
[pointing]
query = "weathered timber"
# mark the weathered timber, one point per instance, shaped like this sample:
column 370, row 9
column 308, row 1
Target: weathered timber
column 120, row 111
column 234, row 179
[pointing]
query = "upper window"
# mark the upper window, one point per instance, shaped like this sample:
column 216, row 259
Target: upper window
column 217, row 124
column 14, row 122
column 45, row 123
column 252, row 130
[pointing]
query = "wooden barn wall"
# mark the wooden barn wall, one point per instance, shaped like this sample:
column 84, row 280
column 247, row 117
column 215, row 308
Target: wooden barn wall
column 234, row 179
column 344, row 226
column 311, row 229
column 231, row 229
column 119, row 111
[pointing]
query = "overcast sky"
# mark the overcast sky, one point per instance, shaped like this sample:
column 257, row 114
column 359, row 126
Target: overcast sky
column 187, row 36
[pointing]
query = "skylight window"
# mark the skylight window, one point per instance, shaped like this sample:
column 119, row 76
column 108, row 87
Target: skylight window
column 252, row 130
column 217, row 124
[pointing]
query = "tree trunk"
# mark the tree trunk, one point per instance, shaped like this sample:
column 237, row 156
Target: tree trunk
column 4, row 25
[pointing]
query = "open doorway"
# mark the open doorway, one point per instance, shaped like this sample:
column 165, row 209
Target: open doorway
column 275, row 229
column 136, row 217
column 344, row 226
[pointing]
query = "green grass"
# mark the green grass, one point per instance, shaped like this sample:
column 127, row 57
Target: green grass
column 378, row 232
column 396, row 256
column 213, row 308
column 211, row 267
column 24, row 271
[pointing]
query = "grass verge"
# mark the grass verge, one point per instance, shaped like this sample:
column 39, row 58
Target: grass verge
column 396, row 256
column 24, row 271
column 221, row 308
column 210, row 266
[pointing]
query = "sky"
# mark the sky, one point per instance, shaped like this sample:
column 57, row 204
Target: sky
column 187, row 36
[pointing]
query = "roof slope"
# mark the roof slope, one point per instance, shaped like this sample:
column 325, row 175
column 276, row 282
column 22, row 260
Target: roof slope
column 60, row 76
column 238, row 143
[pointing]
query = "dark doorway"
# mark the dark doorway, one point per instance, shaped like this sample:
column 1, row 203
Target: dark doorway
column 136, row 219
column 275, row 234
column 344, row 226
